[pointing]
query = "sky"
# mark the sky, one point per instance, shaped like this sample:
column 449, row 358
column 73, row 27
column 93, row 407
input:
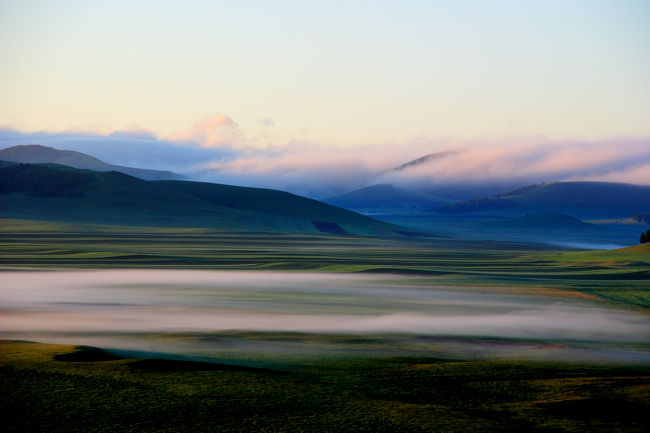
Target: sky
column 359, row 84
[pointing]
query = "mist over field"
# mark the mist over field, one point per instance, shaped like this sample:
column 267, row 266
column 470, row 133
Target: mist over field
column 110, row 305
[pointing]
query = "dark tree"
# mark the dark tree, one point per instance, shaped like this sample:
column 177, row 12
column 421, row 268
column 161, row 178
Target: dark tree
column 645, row 237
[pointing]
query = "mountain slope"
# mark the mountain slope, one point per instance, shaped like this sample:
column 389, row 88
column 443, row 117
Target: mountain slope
column 60, row 193
column 36, row 154
column 580, row 199
column 384, row 198
column 273, row 202
column 546, row 221
column 421, row 160
column 642, row 217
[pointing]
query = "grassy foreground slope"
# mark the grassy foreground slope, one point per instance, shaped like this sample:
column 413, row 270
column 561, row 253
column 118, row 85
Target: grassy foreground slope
column 56, row 388
column 59, row 193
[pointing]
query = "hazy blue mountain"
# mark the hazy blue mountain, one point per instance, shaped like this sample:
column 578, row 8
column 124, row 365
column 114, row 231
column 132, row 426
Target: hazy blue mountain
column 61, row 193
column 642, row 217
column 545, row 221
column 579, row 199
column 37, row 154
column 385, row 198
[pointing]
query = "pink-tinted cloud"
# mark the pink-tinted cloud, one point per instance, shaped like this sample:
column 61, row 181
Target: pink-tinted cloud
column 639, row 174
column 539, row 161
column 216, row 149
column 218, row 130
column 319, row 170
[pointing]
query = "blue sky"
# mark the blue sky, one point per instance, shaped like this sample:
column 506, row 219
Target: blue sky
column 303, row 95
column 341, row 72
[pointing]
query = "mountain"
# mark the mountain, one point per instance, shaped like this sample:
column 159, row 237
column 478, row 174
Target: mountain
column 416, row 195
column 545, row 221
column 642, row 217
column 60, row 193
column 385, row 198
column 36, row 154
column 579, row 199
column 423, row 159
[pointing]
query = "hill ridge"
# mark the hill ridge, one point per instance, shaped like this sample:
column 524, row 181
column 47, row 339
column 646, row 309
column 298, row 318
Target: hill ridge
column 589, row 199
column 60, row 193
column 39, row 154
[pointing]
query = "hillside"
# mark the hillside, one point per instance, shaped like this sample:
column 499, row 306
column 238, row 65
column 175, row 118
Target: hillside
column 546, row 221
column 641, row 248
column 269, row 201
column 579, row 199
column 36, row 154
column 642, row 217
column 59, row 193
column 384, row 198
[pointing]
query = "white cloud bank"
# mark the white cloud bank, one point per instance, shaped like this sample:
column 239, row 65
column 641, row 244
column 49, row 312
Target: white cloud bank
column 216, row 149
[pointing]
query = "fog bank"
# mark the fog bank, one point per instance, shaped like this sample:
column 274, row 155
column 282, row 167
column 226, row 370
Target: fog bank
column 180, row 300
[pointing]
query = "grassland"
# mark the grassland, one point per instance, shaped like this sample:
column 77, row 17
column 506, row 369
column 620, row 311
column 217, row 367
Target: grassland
column 615, row 276
column 56, row 388
column 59, row 388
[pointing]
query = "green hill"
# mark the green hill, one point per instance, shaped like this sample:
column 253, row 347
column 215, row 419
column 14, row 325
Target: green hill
column 580, row 199
column 58, row 193
column 271, row 202
column 37, row 154
column 642, row 249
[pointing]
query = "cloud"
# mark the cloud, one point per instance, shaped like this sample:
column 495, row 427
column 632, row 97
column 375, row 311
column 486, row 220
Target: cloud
column 534, row 161
column 215, row 149
column 639, row 174
column 308, row 168
column 319, row 170
column 267, row 122
column 218, row 130
column 134, row 147
column 134, row 131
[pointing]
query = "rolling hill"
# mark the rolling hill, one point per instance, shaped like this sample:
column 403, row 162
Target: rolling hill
column 60, row 193
column 579, row 199
column 384, row 198
column 642, row 249
column 36, row 154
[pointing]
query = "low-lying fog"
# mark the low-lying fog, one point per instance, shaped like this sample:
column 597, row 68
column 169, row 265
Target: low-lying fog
column 110, row 307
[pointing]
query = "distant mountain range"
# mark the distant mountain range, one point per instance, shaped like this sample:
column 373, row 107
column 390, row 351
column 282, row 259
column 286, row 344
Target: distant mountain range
column 384, row 198
column 60, row 193
column 544, row 221
column 642, row 217
column 579, row 199
column 37, row 154
column 387, row 198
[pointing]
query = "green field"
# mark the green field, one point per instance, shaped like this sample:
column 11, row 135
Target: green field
column 366, row 383
column 618, row 276
column 55, row 388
